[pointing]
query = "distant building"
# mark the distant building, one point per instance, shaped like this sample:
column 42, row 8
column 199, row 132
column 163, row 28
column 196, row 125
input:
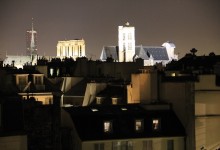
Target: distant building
column 126, row 43
column 71, row 48
column 31, row 41
column 31, row 52
column 127, row 51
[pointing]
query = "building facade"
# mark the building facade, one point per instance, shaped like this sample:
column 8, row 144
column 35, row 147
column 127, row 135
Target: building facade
column 127, row 51
column 71, row 48
column 122, row 127
column 126, row 43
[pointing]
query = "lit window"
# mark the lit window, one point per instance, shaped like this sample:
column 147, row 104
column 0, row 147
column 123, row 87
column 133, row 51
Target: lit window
column 99, row 100
column 156, row 124
column 94, row 109
column 51, row 71
column 173, row 74
column 114, row 100
column 139, row 125
column 122, row 145
column 124, row 109
column 107, row 126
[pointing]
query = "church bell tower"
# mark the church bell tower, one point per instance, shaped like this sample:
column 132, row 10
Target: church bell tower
column 126, row 43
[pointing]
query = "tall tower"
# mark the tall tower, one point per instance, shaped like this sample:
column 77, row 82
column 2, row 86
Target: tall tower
column 126, row 43
column 31, row 41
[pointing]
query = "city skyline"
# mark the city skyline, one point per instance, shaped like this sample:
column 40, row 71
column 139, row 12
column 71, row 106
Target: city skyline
column 188, row 24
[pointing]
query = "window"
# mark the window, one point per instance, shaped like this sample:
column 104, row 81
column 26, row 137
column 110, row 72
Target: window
column 122, row 145
column 51, row 71
column 129, row 36
column 139, row 125
column 108, row 126
column 156, row 124
column 170, row 145
column 38, row 80
column 22, row 80
column 99, row 146
column 114, row 101
column 129, row 46
column 99, row 100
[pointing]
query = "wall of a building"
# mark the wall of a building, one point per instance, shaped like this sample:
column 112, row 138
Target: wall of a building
column 180, row 95
column 143, row 88
column 18, row 142
column 207, row 113
column 139, row 144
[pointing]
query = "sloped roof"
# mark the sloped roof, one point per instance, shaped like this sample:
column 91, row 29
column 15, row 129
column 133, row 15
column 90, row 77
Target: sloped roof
column 89, row 124
column 109, row 51
column 158, row 53
column 78, row 90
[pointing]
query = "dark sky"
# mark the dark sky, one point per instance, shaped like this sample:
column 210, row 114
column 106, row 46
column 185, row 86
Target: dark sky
column 187, row 23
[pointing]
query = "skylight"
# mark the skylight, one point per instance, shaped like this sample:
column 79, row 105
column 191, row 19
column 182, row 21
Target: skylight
column 94, row 109
column 124, row 109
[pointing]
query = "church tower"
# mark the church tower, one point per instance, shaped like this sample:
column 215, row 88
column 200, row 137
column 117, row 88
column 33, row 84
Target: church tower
column 126, row 43
column 31, row 41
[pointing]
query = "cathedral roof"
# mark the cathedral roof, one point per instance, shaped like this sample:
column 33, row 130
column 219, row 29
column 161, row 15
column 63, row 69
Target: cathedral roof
column 158, row 53
column 109, row 51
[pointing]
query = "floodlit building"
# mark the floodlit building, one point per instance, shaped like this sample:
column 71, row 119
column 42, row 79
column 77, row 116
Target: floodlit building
column 126, row 43
column 31, row 52
column 127, row 51
column 31, row 41
column 71, row 48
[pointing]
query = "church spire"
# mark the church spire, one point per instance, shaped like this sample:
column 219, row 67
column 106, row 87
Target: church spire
column 32, row 46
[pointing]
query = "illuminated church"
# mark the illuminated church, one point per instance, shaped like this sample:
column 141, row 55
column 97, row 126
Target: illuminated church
column 68, row 48
column 127, row 51
column 71, row 48
column 31, row 52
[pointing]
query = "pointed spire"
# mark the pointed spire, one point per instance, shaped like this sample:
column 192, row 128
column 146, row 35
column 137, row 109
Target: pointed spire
column 32, row 24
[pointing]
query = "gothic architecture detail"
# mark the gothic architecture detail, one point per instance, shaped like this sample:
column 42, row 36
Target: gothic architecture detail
column 126, row 43
column 127, row 51
column 31, row 41
column 71, row 48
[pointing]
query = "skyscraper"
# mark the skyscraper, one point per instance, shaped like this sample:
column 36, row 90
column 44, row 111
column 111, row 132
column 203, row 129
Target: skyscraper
column 31, row 41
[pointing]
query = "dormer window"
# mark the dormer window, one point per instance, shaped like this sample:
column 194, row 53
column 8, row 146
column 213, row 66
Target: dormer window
column 99, row 100
column 156, row 124
column 38, row 79
column 115, row 100
column 139, row 125
column 107, row 126
column 21, row 79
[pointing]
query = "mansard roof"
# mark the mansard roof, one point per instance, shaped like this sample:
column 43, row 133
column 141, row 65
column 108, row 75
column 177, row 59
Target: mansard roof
column 89, row 122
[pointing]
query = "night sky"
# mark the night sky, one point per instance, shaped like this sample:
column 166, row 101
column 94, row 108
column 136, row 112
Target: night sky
column 187, row 23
